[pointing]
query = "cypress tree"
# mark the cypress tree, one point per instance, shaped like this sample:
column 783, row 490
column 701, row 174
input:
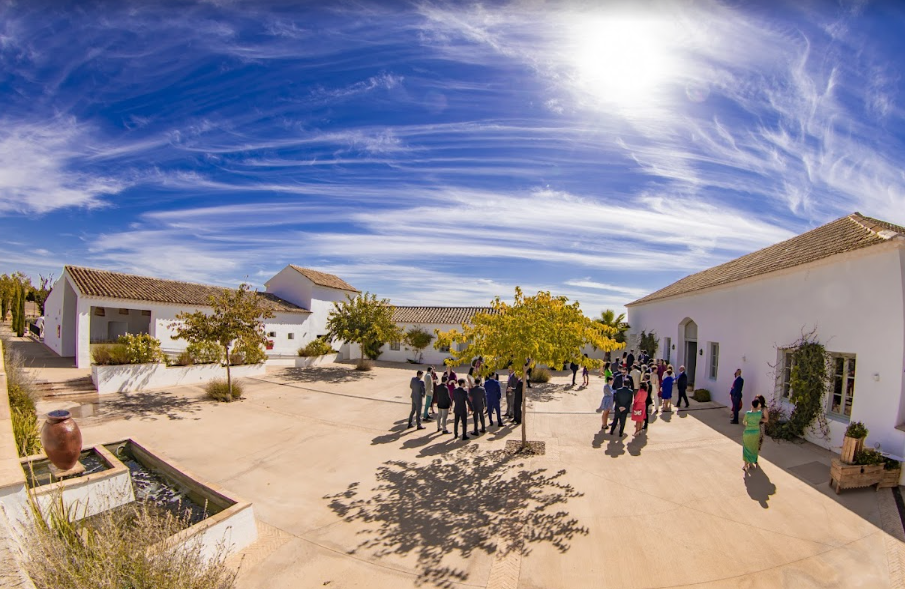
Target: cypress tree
column 21, row 331
column 14, row 308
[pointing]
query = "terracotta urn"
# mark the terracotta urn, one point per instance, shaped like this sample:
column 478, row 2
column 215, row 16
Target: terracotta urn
column 62, row 439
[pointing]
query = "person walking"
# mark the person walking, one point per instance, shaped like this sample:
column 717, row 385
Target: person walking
column 681, row 387
column 528, row 368
column 751, row 435
column 517, row 395
column 460, row 396
column 417, row 386
column 606, row 403
column 494, row 394
column 478, row 397
column 735, row 394
column 585, row 374
column 666, row 389
column 622, row 403
column 444, row 402
column 428, row 392
column 574, row 368
column 639, row 407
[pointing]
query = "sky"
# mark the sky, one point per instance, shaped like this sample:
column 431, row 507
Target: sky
column 442, row 153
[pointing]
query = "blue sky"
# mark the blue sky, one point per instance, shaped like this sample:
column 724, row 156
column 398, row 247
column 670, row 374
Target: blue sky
column 439, row 153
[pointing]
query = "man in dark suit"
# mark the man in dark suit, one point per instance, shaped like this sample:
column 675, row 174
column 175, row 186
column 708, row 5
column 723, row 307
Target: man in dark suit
column 460, row 397
column 417, row 386
column 622, row 401
column 630, row 359
column 736, row 394
column 478, row 401
column 494, row 394
column 682, row 386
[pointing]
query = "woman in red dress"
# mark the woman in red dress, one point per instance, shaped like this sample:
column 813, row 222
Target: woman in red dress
column 639, row 408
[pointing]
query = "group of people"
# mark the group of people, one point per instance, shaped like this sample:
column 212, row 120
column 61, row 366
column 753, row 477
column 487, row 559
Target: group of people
column 468, row 395
column 639, row 387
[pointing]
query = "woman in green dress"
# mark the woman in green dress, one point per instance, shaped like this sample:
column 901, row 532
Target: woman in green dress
column 751, row 437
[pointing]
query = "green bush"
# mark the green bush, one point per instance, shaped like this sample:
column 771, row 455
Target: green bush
column 183, row 359
column 856, row 429
column 218, row 390
column 701, row 395
column 205, row 352
column 120, row 547
column 109, row 354
column 141, row 348
column 869, row 456
column 25, row 432
column 891, row 464
column 316, row 347
column 247, row 352
column 540, row 374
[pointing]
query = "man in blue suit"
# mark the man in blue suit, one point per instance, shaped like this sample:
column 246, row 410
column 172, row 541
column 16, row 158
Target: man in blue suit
column 494, row 395
column 736, row 394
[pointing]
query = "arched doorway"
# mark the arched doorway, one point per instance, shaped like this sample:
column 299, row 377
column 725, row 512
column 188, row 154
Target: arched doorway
column 688, row 334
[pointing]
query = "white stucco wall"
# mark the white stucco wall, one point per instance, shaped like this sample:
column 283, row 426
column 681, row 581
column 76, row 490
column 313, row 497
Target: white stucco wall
column 855, row 302
column 431, row 356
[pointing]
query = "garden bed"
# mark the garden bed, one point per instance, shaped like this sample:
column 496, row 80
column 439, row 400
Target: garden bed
column 531, row 448
column 129, row 378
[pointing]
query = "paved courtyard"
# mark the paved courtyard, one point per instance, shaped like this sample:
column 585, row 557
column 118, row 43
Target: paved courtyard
column 346, row 496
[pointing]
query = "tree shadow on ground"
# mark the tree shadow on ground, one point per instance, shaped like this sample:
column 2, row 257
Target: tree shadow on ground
column 759, row 486
column 328, row 374
column 148, row 405
column 457, row 504
column 547, row 392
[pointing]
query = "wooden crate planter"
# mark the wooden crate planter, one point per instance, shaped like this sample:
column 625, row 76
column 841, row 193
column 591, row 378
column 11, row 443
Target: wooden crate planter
column 850, row 447
column 855, row 476
column 890, row 479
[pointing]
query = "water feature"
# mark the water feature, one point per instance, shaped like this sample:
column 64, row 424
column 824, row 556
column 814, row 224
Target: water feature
column 37, row 472
column 154, row 487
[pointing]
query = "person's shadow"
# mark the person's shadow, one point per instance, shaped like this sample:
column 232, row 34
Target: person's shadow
column 759, row 486
column 615, row 448
column 599, row 437
column 638, row 442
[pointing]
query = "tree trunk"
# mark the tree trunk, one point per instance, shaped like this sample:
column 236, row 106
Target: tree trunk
column 229, row 380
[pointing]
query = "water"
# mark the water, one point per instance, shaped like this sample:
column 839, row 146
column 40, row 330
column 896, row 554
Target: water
column 37, row 473
column 151, row 486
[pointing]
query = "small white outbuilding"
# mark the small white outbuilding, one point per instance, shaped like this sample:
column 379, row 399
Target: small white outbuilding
column 89, row 306
column 844, row 281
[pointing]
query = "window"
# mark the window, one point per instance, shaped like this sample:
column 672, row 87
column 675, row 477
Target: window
column 667, row 343
column 124, row 311
column 395, row 346
column 786, row 361
column 271, row 334
column 146, row 313
column 714, row 359
column 842, row 385
column 444, row 349
column 290, row 335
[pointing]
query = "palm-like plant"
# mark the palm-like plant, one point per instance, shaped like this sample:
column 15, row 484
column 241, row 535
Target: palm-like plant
column 609, row 317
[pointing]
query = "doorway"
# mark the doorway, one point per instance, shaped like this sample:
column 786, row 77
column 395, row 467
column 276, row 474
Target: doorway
column 691, row 360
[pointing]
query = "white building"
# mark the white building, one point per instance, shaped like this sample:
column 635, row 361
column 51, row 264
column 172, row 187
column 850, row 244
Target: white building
column 845, row 280
column 88, row 306
column 428, row 319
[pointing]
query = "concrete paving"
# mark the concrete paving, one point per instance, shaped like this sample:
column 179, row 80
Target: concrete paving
column 348, row 497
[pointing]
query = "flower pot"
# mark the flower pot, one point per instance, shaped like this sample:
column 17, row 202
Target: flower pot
column 62, row 439
column 850, row 447
column 890, row 478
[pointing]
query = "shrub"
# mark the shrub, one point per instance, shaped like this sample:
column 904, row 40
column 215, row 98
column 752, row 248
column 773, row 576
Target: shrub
column 205, row 352
column 891, row 464
column 117, row 548
column 109, row 354
column 183, row 359
column 540, row 375
column 701, row 395
column 316, row 347
column 869, row 456
column 247, row 352
column 141, row 348
column 856, row 429
column 25, row 432
column 372, row 350
column 363, row 365
column 218, row 390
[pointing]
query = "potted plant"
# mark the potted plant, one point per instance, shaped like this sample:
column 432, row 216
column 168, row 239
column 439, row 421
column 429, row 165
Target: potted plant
column 853, row 442
column 892, row 471
column 868, row 469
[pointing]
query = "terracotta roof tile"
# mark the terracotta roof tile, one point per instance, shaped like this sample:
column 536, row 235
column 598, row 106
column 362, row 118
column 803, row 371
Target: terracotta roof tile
column 116, row 285
column 448, row 315
column 842, row 235
column 324, row 279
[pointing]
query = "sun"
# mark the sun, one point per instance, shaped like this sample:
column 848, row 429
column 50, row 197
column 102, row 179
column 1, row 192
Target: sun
column 622, row 59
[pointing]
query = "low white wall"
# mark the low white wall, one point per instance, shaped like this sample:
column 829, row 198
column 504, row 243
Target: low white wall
column 129, row 378
column 309, row 361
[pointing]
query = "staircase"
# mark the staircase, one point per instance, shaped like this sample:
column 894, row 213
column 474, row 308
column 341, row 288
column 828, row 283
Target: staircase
column 75, row 386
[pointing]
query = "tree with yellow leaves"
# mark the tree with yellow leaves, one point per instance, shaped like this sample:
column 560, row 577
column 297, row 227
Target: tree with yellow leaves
column 542, row 329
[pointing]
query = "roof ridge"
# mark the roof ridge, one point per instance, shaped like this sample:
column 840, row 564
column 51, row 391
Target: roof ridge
column 882, row 229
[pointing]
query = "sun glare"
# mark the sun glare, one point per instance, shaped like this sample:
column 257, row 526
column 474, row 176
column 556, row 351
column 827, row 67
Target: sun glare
column 622, row 59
